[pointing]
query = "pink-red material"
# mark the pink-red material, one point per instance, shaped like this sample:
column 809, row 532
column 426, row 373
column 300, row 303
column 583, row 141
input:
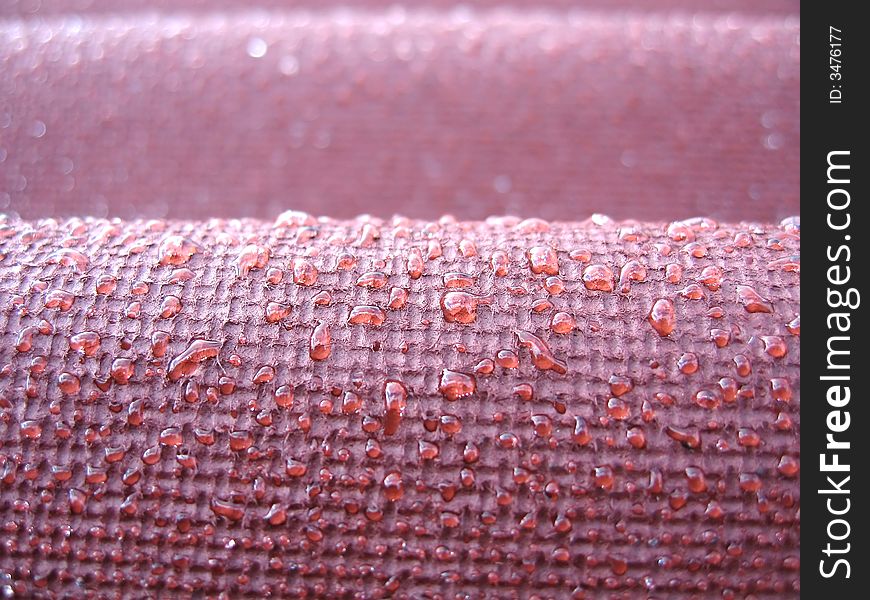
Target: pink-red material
column 363, row 409
column 660, row 110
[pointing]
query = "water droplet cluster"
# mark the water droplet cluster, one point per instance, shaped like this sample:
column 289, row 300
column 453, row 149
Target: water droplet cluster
column 318, row 407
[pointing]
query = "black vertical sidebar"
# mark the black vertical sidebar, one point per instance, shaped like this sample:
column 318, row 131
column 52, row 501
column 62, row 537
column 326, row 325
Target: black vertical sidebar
column 835, row 433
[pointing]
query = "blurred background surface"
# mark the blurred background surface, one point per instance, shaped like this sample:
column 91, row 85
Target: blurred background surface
column 658, row 109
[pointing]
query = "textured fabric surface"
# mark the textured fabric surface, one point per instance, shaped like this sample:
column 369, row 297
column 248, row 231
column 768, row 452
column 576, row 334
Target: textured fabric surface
column 646, row 110
column 319, row 408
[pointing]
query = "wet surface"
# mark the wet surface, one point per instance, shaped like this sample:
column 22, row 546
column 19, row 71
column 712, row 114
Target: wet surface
column 262, row 441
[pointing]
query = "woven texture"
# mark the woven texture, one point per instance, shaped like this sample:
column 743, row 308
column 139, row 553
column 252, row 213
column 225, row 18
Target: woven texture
column 166, row 429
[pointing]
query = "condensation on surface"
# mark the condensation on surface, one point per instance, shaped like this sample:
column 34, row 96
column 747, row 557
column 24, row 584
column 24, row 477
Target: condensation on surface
column 259, row 441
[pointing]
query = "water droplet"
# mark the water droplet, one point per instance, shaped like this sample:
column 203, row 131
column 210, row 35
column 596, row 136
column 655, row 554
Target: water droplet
column 500, row 263
column 322, row 298
column 106, row 284
column 508, row 440
column 295, row 218
column 31, row 430
column 25, row 338
column 794, row 326
column 455, row 279
column 86, row 342
column 542, row 425
column 204, row 436
column 171, row 436
column 679, row 231
column 320, row 344
column 507, row 359
column 159, row 343
column 543, row 259
column 484, row 367
column 715, row 312
column 188, row 361
column 467, row 248
column 122, row 370
column 191, row 392
column 393, row 488
column 688, row 363
column 742, row 240
column 252, row 256
column 542, row 356
column 581, row 434
column 450, row 424
column 674, row 273
column 415, row 263
column 228, row 510
column 455, row 385
column 264, row 374
column 780, row 389
column 461, row 307
column 240, row 440
column 532, row 225
column 788, row 466
column 693, row 291
column 542, row 305
column 284, row 396
column 636, row 437
column 695, row 249
column 170, row 307
column 562, row 323
column 690, row 438
column 618, row 409
column 276, row 515
column 524, row 391
column 176, row 250
column 295, row 468
column 372, row 279
column 427, row 450
column 695, row 480
column 748, row 438
column 631, row 271
column 180, row 276
column 398, row 298
column 603, row 477
column 77, row 501
column 774, row 345
column 395, row 402
column 276, row 312
column 742, row 365
column 140, row 288
column 226, row 385
column 59, row 299
column 720, row 337
column 709, row 399
column 620, row 385
column 274, row 276
column 749, row 482
column 366, row 315
column 662, row 317
column 304, row 272
column 346, row 262
column 471, row 453
column 791, row 264
column 373, row 448
column 752, row 301
column 434, row 250
column 598, row 277
column 68, row 257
